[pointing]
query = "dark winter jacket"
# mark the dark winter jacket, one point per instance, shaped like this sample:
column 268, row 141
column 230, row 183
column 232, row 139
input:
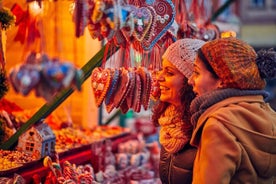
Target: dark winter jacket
column 177, row 168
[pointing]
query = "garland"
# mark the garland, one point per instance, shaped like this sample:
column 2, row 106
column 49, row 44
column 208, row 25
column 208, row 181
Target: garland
column 7, row 19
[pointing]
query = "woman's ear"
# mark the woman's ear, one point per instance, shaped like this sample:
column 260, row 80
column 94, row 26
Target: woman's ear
column 220, row 84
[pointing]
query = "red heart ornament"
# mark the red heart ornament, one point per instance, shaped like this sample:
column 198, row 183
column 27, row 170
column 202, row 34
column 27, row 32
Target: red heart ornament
column 146, row 86
column 100, row 82
column 122, row 89
column 163, row 18
column 138, row 93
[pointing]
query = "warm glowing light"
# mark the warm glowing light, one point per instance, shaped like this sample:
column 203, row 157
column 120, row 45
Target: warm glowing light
column 72, row 8
column 35, row 9
column 227, row 34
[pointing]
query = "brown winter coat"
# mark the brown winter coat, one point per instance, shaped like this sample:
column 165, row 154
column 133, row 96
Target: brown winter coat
column 236, row 140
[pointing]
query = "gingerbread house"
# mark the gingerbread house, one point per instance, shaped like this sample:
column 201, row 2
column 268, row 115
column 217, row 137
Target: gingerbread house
column 38, row 141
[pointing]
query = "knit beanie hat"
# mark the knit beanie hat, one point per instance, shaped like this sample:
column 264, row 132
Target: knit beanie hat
column 234, row 61
column 182, row 54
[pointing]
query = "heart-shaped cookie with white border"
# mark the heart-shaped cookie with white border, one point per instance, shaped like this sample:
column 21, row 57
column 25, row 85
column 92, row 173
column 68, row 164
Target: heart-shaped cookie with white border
column 100, row 82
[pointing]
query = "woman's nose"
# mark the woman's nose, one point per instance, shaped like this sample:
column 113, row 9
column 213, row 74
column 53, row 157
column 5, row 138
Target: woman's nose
column 190, row 80
column 160, row 76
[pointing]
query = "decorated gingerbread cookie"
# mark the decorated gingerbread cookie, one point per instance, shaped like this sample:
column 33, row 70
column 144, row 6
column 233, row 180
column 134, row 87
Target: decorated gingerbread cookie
column 100, row 81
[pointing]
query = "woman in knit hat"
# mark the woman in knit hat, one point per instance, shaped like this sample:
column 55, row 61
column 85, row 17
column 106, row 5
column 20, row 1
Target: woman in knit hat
column 172, row 113
column 234, row 127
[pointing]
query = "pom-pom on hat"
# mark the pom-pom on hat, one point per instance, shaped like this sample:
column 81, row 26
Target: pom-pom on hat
column 236, row 63
column 182, row 54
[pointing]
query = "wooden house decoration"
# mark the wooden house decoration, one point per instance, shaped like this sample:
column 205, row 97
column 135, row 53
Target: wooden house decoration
column 39, row 141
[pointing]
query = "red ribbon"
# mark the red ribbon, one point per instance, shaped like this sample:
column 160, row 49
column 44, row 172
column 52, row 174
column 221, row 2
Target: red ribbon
column 27, row 25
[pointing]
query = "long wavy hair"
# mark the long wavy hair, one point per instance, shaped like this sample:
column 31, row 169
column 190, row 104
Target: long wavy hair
column 187, row 95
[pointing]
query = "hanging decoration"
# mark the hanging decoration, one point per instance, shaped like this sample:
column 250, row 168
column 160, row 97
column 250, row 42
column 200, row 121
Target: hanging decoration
column 151, row 21
column 27, row 23
column 122, row 88
column 45, row 76
column 39, row 73
column 80, row 18
column 143, row 30
column 39, row 2
column 134, row 25
column 194, row 22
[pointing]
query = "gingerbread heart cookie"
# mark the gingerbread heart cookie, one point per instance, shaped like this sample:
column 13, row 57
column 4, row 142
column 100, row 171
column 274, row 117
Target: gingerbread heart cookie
column 130, row 96
column 137, row 94
column 124, row 106
column 122, row 88
column 115, row 73
column 100, row 82
column 164, row 13
column 146, row 85
column 109, row 99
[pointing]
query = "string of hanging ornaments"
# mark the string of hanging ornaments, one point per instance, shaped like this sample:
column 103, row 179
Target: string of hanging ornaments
column 142, row 30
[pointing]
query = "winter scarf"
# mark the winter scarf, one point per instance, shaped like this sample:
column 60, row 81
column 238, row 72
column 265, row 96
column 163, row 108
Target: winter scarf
column 174, row 132
column 201, row 103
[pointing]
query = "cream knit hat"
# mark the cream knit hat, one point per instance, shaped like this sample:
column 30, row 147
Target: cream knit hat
column 182, row 54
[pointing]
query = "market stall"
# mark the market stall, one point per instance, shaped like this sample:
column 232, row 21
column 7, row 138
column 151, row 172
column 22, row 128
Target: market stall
column 122, row 78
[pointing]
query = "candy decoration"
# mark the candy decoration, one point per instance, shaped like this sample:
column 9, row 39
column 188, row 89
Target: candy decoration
column 69, row 172
column 47, row 162
column 85, row 178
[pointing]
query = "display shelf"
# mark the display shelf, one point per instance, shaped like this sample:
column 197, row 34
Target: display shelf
column 79, row 156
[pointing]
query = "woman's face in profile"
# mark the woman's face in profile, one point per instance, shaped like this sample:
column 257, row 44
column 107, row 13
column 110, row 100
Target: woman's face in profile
column 171, row 82
column 202, row 79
